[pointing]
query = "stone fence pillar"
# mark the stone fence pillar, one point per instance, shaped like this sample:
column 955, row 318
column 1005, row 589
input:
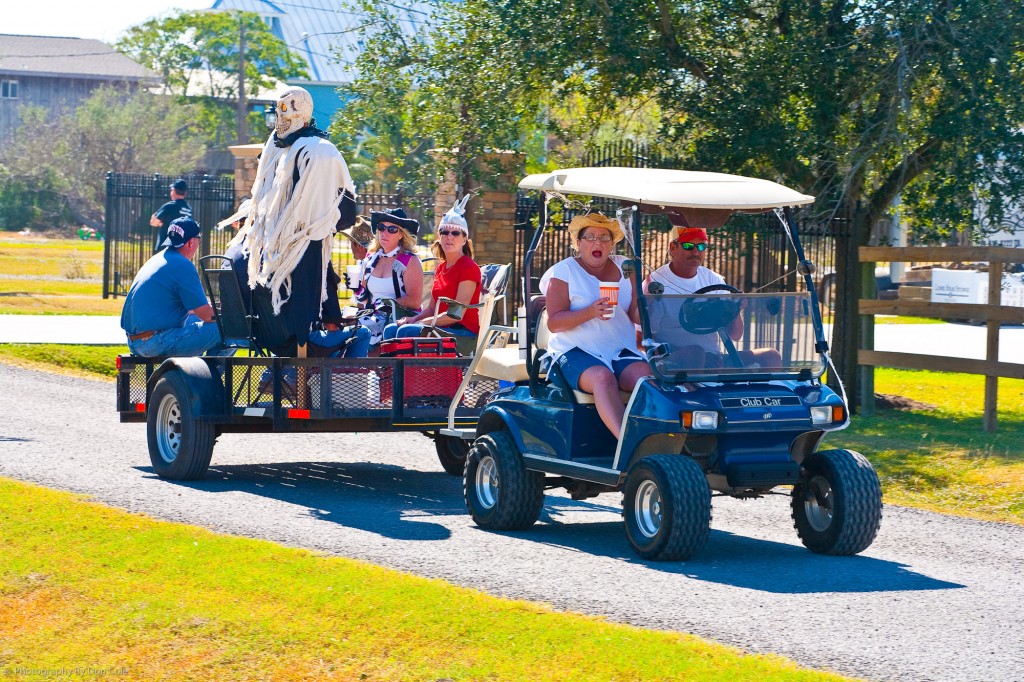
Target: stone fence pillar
column 491, row 213
column 246, row 161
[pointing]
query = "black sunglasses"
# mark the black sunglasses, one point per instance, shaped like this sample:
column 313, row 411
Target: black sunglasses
column 448, row 233
column 393, row 229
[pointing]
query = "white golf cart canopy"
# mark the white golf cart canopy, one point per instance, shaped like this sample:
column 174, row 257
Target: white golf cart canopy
column 660, row 187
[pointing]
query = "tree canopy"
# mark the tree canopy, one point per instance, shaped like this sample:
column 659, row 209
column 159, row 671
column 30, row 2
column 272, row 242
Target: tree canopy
column 113, row 130
column 197, row 53
column 856, row 102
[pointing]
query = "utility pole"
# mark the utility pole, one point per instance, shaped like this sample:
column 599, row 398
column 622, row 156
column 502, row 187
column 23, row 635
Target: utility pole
column 241, row 114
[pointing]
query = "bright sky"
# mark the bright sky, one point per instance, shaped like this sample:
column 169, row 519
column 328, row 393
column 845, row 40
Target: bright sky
column 103, row 20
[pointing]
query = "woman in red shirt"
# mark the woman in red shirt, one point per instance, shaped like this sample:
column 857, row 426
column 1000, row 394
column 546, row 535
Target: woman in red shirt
column 457, row 277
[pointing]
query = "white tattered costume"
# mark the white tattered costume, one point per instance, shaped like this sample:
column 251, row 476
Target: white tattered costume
column 284, row 216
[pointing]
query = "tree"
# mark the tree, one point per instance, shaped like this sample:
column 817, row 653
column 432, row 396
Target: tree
column 200, row 50
column 857, row 102
column 113, row 130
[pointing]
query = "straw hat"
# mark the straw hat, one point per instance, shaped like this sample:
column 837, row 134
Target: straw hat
column 581, row 222
column 360, row 232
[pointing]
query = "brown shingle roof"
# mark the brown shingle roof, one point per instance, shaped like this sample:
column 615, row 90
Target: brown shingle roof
column 71, row 57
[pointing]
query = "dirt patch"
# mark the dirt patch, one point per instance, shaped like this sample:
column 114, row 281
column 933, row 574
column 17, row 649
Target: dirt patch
column 884, row 401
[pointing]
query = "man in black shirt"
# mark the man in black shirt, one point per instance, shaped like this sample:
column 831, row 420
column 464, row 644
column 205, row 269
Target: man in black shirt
column 176, row 208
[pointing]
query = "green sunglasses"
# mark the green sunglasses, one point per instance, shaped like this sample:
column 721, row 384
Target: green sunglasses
column 690, row 246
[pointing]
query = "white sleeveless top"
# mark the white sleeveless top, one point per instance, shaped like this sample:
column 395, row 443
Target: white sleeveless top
column 381, row 287
column 606, row 340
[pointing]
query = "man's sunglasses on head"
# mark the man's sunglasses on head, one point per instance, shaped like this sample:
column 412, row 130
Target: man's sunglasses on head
column 690, row 246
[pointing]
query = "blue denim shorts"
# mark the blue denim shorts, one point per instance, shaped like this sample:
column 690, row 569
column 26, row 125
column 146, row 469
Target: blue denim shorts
column 575, row 362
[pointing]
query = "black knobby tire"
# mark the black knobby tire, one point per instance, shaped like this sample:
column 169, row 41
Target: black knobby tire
column 452, row 452
column 500, row 492
column 837, row 503
column 180, row 447
column 667, row 507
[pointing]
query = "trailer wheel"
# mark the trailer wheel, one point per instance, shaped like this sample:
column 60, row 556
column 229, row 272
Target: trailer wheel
column 451, row 452
column 180, row 446
column 837, row 503
column 667, row 507
column 500, row 492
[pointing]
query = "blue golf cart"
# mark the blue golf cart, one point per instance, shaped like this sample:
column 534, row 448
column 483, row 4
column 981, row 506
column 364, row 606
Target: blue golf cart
column 704, row 423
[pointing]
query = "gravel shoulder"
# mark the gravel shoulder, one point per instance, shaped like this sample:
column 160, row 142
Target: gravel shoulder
column 934, row 598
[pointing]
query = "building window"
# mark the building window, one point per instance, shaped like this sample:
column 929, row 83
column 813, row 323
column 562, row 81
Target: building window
column 8, row 89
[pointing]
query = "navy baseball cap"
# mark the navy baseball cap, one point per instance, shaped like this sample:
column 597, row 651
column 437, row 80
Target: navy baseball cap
column 180, row 231
column 179, row 186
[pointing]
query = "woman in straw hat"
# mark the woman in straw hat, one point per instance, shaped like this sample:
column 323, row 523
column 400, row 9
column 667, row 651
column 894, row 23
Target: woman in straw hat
column 592, row 339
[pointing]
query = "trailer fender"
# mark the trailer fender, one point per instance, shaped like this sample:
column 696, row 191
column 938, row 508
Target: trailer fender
column 205, row 388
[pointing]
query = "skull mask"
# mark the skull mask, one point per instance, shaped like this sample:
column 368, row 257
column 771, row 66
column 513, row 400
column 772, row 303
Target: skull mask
column 294, row 111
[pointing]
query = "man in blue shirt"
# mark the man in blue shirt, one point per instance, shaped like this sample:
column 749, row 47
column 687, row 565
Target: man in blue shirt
column 176, row 208
column 166, row 311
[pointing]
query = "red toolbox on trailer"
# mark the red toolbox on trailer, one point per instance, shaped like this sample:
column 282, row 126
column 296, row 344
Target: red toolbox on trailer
column 433, row 383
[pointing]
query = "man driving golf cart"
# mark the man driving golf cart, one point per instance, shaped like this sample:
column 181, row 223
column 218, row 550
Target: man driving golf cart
column 685, row 274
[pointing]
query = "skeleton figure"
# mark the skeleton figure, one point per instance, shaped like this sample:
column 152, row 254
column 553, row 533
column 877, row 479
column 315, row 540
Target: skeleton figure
column 294, row 111
column 301, row 195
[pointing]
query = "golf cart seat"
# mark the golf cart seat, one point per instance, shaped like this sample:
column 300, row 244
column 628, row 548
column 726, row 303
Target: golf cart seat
column 505, row 364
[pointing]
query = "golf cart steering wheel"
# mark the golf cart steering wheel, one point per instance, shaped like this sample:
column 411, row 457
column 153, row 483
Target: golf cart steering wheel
column 708, row 315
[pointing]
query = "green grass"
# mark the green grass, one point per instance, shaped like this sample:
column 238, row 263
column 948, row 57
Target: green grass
column 941, row 459
column 84, row 585
column 96, row 361
column 52, row 277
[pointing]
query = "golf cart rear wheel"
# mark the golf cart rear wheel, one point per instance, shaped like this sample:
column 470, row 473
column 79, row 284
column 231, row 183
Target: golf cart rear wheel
column 837, row 503
column 451, row 452
column 500, row 492
column 180, row 447
column 667, row 507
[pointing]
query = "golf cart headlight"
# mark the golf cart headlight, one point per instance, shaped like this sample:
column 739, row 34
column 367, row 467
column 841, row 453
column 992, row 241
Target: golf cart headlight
column 821, row 414
column 700, row 419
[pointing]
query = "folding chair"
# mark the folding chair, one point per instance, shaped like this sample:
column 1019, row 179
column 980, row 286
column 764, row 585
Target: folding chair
column 233, row 317
column 493, row 283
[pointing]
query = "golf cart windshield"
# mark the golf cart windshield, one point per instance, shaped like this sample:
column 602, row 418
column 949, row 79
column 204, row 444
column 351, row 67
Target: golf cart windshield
column 721, row 336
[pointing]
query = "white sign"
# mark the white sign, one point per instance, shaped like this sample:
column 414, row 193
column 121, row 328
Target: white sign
column 959, row 286
column 970, row 286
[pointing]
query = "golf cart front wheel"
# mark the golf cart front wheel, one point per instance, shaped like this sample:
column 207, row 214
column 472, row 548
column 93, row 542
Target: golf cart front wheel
column 667, row 507
column 500, row 492
column 837, row 503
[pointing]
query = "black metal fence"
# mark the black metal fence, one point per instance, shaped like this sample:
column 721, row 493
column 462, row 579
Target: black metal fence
column 132, row 199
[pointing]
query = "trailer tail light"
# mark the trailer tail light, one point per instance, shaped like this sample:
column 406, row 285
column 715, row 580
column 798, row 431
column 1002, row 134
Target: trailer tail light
column 140, row 407
column 702, row 420
column 298, row 414
column 117, row 362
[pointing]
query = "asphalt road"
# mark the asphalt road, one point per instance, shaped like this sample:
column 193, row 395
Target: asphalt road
column 934, row 598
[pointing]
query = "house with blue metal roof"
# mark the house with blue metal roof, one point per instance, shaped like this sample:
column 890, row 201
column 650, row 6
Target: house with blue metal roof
column 326, row 36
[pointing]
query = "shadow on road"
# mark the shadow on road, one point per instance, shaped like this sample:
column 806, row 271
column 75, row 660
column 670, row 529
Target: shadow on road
column 379, row 498
column 400, row 503
column 731, row 559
